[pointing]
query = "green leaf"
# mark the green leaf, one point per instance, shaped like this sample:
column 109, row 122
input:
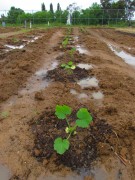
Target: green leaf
column 73, row 67
column 63, row 65
column 67, row 67
column 61, row 145
column 84, row 118
column 62, row 111
column 70, row 63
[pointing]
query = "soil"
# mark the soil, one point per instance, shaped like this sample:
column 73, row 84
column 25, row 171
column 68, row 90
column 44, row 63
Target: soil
column 84, row 147
column 31, row 89
column 8, row 29
column 62, row 75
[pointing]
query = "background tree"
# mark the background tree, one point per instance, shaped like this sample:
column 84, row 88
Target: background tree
column 43, row 7
column 51, row 8
column 13, row 14
column 106, row 4
column 58, row 7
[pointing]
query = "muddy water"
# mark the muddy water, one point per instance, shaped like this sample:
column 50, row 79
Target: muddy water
column 85, row 66
column 38, row 81
column 88, row 82
column 5, row 173
column 11, row 47
column 82, row 50
column 128, row 58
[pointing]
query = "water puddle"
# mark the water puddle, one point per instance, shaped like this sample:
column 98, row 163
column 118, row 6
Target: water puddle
column 85, row 66
column 38, row 81
column 128, row 58
column 82, row 50
column 79, row 95
column 21, row 46
column 88, row 82
column 5, row 173
column 76, row 38
column 98, row 95
column 14, row 47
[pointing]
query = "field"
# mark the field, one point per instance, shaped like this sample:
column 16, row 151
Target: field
column 32, row 83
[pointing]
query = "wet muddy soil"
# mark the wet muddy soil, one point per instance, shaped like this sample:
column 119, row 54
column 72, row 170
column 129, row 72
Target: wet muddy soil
column 28, row 125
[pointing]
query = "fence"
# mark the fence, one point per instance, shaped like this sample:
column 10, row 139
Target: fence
column 94, row 17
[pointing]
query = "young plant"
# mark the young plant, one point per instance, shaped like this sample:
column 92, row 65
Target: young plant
column 71, row 52
column 65, row 43
column 69, row 65
column 84, row 119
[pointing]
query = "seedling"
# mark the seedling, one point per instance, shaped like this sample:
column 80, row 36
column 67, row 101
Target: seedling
column 72, row 51
column 4, row 114
column 69, row 65
column 84, row 119
column 65, row 43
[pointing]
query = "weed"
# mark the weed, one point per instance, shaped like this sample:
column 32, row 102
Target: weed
column 4, row 114
column 83, row 120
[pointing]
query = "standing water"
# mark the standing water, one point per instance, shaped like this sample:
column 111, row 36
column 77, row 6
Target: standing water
column 128, row 58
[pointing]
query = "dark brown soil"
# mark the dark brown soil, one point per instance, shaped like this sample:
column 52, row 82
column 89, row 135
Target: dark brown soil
column 62, row 75
column 84, row 146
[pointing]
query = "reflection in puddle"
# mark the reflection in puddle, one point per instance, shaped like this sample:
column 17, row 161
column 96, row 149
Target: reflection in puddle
column 73, row 91
column 88, row 82
column 14, row 47
column 85, row 66
column 21, row 46
column 82, row 50
column 79, row 95
column 128, row 58
column 5, row 174
column 76, row 38
column 36, row 82
column 98, row 95
column 82, row 96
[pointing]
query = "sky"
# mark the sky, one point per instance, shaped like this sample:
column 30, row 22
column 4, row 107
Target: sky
column 36, row 4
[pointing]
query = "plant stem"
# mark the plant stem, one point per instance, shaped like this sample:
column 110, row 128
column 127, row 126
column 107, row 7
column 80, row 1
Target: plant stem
column 69, row 136
column 67, row 123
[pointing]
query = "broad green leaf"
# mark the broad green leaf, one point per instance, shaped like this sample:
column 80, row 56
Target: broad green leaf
column 84, row 118
column 62, row 111
column 73, row 67
column 70, row 63
column 61, row 145
column 67, row 67
column 63, row 65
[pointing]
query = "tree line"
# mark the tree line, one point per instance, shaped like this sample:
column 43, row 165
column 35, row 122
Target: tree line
column 107, row 10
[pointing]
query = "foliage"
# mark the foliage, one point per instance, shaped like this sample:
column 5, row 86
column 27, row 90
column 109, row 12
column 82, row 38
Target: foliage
column 71, row 52
column 51, row 8
column 69, row 65
column 43, row 7
column 65, row 42
column 13, row 14
column 83, row 121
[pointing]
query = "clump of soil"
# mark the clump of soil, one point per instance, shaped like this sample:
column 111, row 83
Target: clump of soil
column 62, row 75
column 84, row 146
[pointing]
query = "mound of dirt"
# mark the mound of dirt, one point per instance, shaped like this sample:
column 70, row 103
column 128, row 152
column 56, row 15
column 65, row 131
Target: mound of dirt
column 85, row 146
column 62, row 75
